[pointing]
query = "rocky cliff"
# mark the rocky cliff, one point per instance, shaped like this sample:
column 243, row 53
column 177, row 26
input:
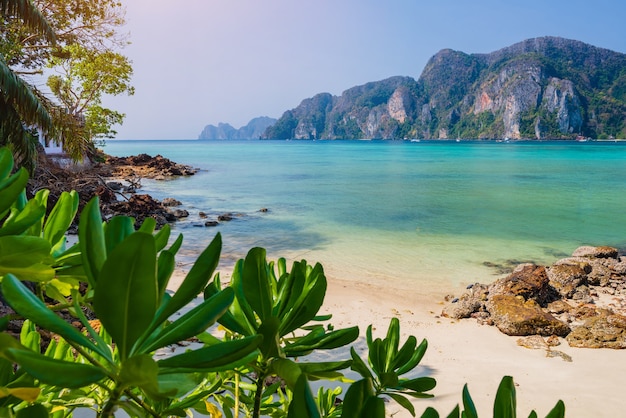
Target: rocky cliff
column 543, row 88
column 253, row 130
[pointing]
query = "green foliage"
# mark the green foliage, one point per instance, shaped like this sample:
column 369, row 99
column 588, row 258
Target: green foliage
column 504, row 406
column 269, row 314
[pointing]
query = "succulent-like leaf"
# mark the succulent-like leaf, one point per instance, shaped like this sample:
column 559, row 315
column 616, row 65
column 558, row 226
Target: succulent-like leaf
column 505, row 404
column 404, row 402
column 558, row 411
column 256, row 286
column 415, row 358
column 125, row 297
column 195, row 281
column 11, row 188
column 191, row 323
column 357, row 395
column 212, row 358
column 24, row 302
column 91, row 240
column 303, row 403
column 468, row 404
column 60, row 217
column 116, row 230
column 59, row 373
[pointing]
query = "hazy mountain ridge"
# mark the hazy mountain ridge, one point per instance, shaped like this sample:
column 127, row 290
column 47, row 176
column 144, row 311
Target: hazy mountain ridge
column 543, row 88
column 253, row 130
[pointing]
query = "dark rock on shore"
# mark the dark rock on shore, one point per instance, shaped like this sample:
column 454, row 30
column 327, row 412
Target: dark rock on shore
column 582, row 297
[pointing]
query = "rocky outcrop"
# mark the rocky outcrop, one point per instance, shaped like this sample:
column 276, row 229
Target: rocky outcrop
column 253, row 130
column 542, row 88
column 582, row 297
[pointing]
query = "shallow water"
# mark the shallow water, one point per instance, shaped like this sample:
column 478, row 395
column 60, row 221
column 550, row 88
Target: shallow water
column 425, row 214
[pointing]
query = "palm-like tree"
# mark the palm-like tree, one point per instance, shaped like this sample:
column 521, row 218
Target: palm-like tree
column 24, row 110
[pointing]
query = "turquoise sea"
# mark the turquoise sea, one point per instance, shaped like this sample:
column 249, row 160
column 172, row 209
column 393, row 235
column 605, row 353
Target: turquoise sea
column 423, row 214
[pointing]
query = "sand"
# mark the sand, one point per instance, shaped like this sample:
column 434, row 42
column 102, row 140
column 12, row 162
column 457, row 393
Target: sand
column 463, row 351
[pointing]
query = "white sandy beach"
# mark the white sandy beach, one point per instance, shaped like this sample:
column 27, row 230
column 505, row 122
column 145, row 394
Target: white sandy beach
column 462, row 352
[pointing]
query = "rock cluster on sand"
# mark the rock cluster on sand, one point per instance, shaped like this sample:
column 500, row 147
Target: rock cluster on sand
column 581, row 298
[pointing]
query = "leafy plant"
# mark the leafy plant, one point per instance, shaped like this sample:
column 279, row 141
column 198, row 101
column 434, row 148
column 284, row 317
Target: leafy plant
column 504, row 406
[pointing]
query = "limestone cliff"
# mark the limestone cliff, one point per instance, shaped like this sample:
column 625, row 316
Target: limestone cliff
column 253, row 130
column 543, row 88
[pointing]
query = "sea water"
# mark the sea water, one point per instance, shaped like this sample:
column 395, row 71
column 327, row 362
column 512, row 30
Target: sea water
column 423, row 214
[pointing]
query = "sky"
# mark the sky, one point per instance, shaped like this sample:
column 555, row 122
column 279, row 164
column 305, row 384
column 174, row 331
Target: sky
column 201, row 62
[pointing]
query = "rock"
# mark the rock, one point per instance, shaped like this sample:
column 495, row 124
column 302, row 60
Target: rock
column 202, row 215
column 565, row 278
column 211, row 223
column 225, row 217
column 170, row 201
column 556, row 353
column 603, row 331
column 558, row 307
column 263, row 210
column 114, row 185
column 179, row 213
column 528, row 281
column 515, row 316
column 468, row 303
column 596, row 252
column 534, row 342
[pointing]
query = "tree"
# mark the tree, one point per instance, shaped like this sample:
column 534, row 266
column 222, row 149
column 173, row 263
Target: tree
column 81, row 34
column 84, row 77
column 21, row 105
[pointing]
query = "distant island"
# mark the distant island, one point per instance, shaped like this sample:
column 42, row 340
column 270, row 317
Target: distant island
column 253, row 130
column 542, row 88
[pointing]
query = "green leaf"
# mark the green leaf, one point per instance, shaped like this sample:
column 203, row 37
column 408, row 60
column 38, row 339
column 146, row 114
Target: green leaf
column 287, row 369
column 505, row 405
column 162, row 236
column 143, row 372
column 59, row 373
column 468, row 404
column 430, row 413
column 91, row 240
column 308, row 303
column 359, row 366
column 532, row 414
column 24, row 302
column 419, row 384
column 406, row 352
column 404, row 402
column 270, row 347
column 148, row 226
column 6, row 163
column 60, row 217
column 165, row 269
column 333, row 339
column 192, row 323
column 33, row 411
column 11, row 188
column 195, row 281
column 256, row 286
column 212, row 358
column 455, row 413
column 26, row 257
column 116, row 230
column 376, row 356
column 558, row 411
column 357, row 395
column 32, row 213
column 125, row 297
column 303, row 403
column 415, row 358
column 391, row 342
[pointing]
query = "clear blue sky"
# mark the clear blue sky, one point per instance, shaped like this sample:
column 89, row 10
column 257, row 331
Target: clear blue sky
column 201, row 62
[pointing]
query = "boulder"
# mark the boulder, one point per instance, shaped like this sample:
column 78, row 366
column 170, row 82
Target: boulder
column 515, row 316
column 565, row 278
column 170, row 201
column 602, row 331
column 179, row 213
column 528, row 281
column 211, row 223
column 468, row 303
column 596, row 252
